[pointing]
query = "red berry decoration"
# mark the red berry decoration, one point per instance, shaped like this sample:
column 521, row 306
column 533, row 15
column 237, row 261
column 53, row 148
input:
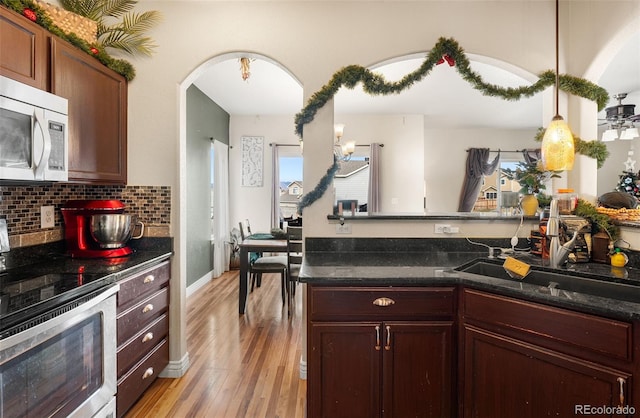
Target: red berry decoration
column 440, row 61
column 30, row 14
column 94, row 50
column 449, row 60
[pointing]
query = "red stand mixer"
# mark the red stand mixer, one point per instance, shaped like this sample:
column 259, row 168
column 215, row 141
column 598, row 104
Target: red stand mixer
column 98, row 228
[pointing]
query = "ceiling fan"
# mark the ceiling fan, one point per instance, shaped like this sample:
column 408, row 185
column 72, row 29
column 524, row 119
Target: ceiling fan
column 620, row 116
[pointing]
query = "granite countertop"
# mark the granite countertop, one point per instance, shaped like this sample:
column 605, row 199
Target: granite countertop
column 51, row 259
column 436, row 268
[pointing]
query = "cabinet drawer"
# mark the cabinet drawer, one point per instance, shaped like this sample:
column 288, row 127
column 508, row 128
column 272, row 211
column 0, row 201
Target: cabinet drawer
column 550, row 326
column 138, row 346
column 142, row 284
column 134, row 383
column 139, row 316
column 357, row 303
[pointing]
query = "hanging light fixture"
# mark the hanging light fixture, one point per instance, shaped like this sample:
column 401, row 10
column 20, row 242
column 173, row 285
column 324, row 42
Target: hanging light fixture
column 342, row 151
column 245, row 67
column 557, row 144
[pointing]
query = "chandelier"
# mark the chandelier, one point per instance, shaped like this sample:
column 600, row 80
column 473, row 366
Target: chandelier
column 342, row 151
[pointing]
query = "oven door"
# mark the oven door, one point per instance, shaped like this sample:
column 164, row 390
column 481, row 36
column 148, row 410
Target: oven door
column 65, row 366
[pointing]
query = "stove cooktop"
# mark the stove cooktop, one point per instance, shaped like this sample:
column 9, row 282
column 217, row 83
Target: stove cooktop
column 24, row 296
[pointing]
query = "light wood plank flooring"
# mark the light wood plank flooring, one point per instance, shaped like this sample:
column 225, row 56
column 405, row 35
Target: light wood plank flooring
column 241, row 366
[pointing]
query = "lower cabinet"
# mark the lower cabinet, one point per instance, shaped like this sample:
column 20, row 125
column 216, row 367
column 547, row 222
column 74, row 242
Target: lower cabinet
column 527, row 360
column 142, row 332
column 380, row 352
column 510, row 378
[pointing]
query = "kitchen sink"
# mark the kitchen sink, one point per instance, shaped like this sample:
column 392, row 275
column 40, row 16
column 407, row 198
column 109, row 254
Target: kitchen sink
column 558, row 284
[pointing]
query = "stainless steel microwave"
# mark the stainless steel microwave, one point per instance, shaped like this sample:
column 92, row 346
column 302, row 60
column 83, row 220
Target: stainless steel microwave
column 33, row 133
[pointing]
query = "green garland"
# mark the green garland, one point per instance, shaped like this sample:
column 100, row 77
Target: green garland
column 121, row 67
column 322, row 186
column 376, row 84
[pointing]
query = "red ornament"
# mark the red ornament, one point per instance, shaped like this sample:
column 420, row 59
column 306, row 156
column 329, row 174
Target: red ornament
column 449, row 60
column 29, row 14
column 446, row 57
column 94, row 50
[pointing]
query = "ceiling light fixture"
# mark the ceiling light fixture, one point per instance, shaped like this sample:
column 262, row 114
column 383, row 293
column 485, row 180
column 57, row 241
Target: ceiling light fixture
column 342, row 151
column 558, row 150
column 245, row 67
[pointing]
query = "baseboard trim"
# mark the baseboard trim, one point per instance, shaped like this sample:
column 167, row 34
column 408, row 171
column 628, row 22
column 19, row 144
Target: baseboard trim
column 201, row 282
column 303, row 369
column 176, row 369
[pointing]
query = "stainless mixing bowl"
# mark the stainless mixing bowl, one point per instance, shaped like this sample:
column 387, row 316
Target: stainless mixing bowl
column 113, row 230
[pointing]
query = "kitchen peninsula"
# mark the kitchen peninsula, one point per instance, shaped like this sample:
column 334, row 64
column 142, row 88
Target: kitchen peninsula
column 394, row 326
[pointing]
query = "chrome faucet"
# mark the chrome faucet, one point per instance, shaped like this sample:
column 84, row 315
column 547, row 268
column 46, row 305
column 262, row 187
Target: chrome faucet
column 557, row 254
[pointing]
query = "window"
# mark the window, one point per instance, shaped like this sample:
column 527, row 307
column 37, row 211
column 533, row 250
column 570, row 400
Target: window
column 290, row 175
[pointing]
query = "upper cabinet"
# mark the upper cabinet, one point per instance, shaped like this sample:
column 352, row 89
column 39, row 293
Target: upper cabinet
column 97, row 114
column 24, row 54
column 97, row 96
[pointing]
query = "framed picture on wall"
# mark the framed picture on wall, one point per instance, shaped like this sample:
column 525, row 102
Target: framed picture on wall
column 252, row 161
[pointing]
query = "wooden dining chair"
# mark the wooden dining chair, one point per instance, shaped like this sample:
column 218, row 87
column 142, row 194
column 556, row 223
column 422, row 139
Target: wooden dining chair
column 260, row 264
column 295, row 253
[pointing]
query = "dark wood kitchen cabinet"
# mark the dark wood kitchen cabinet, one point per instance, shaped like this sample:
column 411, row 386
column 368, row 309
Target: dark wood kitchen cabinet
column 530, row 360
column 97, row 115
column 24, row 47
column 97, row 96
column 142, row 332
column 380, row 352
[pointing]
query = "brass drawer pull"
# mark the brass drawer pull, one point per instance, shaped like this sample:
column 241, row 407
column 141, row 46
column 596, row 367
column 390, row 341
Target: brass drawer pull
column 147, row 373
column 149, row 279
column 621, row 381
column 147, row 308
column 384, row 302
column 147, row 337
column 377, row 346
column 387, row 346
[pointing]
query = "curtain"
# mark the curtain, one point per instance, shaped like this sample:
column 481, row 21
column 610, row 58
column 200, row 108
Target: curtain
column 275, row 187
column 478, row 166
column 373, row 202
column 221, row 250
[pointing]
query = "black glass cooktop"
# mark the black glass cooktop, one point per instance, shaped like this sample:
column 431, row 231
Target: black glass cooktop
column 24, row 295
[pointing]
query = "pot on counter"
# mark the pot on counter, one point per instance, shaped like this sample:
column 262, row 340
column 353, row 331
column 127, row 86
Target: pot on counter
column 114, row 230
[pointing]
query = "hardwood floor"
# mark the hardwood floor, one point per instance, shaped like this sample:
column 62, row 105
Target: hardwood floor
column 241, row 365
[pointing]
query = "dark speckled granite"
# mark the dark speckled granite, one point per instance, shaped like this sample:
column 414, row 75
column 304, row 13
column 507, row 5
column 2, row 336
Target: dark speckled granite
column 431, row 262
column 51, row 258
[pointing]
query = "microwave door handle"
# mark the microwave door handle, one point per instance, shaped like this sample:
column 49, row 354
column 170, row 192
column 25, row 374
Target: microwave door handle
column 39, row 122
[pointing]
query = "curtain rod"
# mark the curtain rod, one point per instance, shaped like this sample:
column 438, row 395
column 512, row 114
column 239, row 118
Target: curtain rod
column 297, row 145
column 502, row 150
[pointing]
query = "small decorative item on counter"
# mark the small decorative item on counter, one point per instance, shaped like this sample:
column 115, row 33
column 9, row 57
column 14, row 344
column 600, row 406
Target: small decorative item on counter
column 600, row 247
column 619, row 259
column 567, row 201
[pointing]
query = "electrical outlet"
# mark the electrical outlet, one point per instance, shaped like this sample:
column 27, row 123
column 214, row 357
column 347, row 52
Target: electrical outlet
column 343, row 229
column 47, row 217
column 441, row 228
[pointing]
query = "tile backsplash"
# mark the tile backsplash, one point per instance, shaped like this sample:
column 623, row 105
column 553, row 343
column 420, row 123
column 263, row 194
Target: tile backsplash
column 20, row 206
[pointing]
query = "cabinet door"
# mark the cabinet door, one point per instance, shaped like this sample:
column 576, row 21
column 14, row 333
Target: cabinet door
column 417, row 369
column 505, row 378
column 24, row 50
column 97, row 115
column 344, row 370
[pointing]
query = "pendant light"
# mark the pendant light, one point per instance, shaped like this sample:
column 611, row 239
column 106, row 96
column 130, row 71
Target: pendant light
column 557, row 144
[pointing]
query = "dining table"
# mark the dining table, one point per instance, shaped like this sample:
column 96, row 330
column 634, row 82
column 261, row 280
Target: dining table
column 256, row 243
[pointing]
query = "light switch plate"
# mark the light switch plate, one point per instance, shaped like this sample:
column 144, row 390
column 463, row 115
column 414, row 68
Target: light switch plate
column 47, row 217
